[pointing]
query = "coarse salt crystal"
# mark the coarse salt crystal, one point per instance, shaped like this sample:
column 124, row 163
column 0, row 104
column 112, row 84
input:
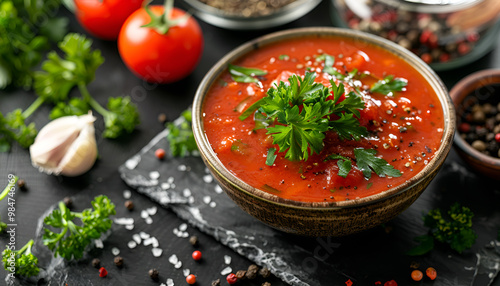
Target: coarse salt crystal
column 98, row 243
column 154, row 175
column 144, row 214
column 115, row 251
column 156, row 251
column 165, row 186
column 191, row 200
column 218, row 189
column 173, row 259
column 186, row 272
column 207, row 199
column 178, row 265
column 227, row 259
column 226, row 271
column 152, row 210
column 129, row 226
column 172, row 186
column 182, row 168
column 127, row 194
column 213, row 204
column 148, row 220
column 124, row 220
column 137, row 238
column 131, row 244
column 170, row 282
column 183, row 227
column 144, row 235
column 186, row 193
column 148, row 241
column 165, row 200
column 170, row 180
column 208, row 178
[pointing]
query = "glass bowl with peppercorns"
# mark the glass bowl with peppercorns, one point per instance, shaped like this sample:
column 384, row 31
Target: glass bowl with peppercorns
column 250, row 14
column 444, row 33
column 477, row 103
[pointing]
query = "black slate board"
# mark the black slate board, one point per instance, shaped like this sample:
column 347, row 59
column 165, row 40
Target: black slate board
column 365, row 258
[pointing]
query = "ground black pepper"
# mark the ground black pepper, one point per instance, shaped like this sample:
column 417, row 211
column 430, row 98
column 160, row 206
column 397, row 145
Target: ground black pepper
column 248, row 8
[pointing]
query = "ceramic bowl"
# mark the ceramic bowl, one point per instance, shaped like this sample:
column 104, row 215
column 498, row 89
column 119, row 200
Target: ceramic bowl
column 467, row 89
column 323, row 218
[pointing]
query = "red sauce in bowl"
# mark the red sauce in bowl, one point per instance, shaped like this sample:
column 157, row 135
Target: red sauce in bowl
column 405, row 128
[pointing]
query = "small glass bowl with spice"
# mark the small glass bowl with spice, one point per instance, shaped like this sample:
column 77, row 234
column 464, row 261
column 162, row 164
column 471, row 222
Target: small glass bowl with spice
column 444, row 33
column 249, row 14
column 477, row 103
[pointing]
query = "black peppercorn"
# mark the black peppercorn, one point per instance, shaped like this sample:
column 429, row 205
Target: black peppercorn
column 252, row 271
column 96, row 262
column 153, row 273
column 162, row 117
column 21, row 184
column 129, row 205
column 264, row 272
column 194, row 241
column 216, row 282
column 118, row 261
column 68, row 202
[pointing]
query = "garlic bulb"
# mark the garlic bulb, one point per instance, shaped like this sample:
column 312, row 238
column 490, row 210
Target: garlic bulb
column 65, row 146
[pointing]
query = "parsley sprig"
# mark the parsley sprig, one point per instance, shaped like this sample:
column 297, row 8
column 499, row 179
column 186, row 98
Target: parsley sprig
column 389, row 85
column 74, row 237
column 455, row 229
column 303, row 115
column 23, row 262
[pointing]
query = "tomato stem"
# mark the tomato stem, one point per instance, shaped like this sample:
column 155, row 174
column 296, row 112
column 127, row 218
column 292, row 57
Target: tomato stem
column 162, row 23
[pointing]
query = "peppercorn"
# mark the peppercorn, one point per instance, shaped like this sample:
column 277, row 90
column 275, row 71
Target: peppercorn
column 129, row 205
column 252, row 271
column 96, row 262
column 153, row 273
column 231, row 278
column 431, row 273
column 21, row 184
column 118, row 261
column 417, row 275
column 264, row 272
column 216, row 282
column 103, row 272
column 266, row 284
column 194, row 240
column 240, row 274
column 196, row 255
column 162, row 117
column 191, row 279
column 160, row 153
column 68, row 202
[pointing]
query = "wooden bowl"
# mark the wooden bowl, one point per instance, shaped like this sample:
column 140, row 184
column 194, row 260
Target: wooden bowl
column 323, row 218
column 479, row 162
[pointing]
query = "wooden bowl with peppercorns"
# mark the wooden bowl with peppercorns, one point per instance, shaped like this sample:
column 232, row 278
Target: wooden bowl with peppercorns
column 477, row 103
column 322, row 131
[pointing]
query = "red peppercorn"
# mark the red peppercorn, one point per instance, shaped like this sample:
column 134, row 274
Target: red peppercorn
column 464, row 127
column 160, row 153
column 431, row 273
column 427, row 58
column 417, row 275
column 103, row 272
column 196, row 255
column 444, row 57
column 231, row 278
column 191, row 279
column 391, row 283
column 497, row 137
column 463, row 48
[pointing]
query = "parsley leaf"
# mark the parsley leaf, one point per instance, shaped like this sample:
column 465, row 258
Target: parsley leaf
column 73, row 238
column 389, row 85
column 271, row 156
column 243, row 74
column 344, row 164
column 368, row 162
column 426, row 244
column 75, row 106
column 180, row 135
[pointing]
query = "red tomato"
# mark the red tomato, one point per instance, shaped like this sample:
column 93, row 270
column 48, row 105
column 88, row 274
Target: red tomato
column 160, row 57
column 104, row 18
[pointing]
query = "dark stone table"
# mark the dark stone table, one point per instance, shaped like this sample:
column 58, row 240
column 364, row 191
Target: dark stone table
column 365, row 258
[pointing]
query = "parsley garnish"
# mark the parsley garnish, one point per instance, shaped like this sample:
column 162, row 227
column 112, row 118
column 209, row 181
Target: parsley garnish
column 368, row 162
column 344, row 164
column 243, row 74
column 454, row 230
column 180, row 135
column 389, row 85
column 22, row 261
column 300, row 133
column 271, row 156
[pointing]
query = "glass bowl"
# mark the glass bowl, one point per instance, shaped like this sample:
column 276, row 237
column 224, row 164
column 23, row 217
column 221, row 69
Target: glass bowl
column 249, row 14
column 444, row 33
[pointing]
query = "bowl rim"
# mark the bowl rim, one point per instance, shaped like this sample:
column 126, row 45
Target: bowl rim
column 458, row 94
column 211, row 158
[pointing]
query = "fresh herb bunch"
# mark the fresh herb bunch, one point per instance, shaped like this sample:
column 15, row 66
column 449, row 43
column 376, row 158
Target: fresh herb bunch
column 22, row 261
column 73, row 238
column 454, row 230
column 180, row 136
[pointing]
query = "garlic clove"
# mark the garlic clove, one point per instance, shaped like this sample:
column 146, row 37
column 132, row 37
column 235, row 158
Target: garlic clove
column 66, row 146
